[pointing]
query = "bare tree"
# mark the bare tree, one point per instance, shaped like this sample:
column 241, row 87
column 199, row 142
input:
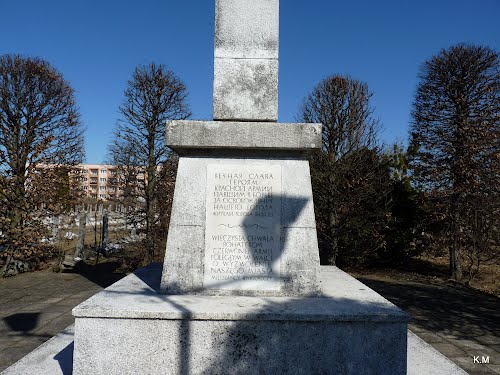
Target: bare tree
column 339, row 172
column 342, row 105
column 455, row 138
column 39, row 126
column 153, row 96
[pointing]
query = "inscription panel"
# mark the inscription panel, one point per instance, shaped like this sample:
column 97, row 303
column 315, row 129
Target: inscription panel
column 242, row 232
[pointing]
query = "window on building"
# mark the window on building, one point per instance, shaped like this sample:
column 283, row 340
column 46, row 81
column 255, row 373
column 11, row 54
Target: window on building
column 102, row 179
column 103, row 171
column 102, row 187
column 94, row 171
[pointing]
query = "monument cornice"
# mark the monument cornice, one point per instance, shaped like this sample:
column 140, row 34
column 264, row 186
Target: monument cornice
column 185, row 135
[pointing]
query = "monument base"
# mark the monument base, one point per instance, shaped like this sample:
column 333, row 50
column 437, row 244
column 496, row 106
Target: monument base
column 131, row 328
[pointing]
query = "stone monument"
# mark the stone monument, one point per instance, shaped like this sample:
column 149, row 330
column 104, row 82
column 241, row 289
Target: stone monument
column 241, row 290
column 243, row 195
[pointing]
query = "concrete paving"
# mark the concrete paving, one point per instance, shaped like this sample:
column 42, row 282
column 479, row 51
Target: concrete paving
column 36, row 306
column 461, row 323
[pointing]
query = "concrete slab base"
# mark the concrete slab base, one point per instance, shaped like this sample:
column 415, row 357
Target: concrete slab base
column 350, row 329
column 55, row 357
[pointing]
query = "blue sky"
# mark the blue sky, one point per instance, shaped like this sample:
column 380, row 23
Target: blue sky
column 97, row 44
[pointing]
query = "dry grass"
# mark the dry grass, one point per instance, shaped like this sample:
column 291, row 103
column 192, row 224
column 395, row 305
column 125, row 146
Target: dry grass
column 431, row 268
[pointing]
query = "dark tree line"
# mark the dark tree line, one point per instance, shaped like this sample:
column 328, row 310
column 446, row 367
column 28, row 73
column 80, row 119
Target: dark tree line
column 356, row 198
column 374, row 205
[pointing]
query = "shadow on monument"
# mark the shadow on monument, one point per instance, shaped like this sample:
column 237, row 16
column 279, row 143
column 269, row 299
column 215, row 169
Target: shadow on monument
column 259, row 350
column 291, row 208
column 65, row 359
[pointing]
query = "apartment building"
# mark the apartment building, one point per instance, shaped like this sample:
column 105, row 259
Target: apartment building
column 100, row 181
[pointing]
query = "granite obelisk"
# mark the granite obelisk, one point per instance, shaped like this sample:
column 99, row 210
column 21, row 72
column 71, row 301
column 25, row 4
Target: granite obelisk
column 246, row 60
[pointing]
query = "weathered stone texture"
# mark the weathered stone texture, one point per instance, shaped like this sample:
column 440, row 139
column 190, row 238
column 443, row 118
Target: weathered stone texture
column 299, row 259
column 247, row 29
column 186, row 135
column 246, row 60
column 145, row 332
column 246, row 89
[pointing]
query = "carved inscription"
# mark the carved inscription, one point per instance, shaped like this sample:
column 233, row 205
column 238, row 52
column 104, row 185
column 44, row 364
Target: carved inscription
column 242, row 235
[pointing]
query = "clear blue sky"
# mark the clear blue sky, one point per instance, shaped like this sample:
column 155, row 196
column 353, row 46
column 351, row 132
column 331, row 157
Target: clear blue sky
column 97, row 44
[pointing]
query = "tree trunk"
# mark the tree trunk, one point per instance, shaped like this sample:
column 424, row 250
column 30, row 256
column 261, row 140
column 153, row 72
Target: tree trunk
column 455, row 267
column 81, row 236
column 150, row 209
column 334, row 250
column 105, row 230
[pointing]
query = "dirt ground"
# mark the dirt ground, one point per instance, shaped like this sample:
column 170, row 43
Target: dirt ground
column 435, row 269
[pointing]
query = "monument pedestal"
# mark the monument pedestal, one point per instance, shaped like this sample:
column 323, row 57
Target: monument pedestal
column 242, row 219
column 241, row 291
column 131, row 328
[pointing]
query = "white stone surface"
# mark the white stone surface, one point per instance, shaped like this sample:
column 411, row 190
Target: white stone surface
column 243, row 227
column 130, row 313
column 189, row 196
column 246, row 60
column 237, row 347
column 299, row 259
column 246, row 29
column 360, row 331
column 137, row 297
column 423, row 359
column 245, row 89
column 55, row 357
column 186, row 135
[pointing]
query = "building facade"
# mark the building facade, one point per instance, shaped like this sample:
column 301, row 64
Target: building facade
column 101, row 181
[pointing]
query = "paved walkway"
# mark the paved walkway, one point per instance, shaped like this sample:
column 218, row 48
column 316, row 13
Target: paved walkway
column 458, row 322
column 36, row 306
column 461, row 323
